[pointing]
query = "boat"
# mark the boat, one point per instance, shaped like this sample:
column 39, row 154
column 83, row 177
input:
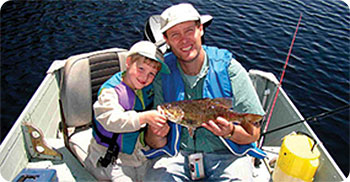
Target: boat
column 50, row 138
column 54, row 129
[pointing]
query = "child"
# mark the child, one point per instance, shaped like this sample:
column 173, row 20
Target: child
column 115, row 150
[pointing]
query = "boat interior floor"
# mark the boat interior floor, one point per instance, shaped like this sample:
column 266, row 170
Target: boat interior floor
column 70, row 169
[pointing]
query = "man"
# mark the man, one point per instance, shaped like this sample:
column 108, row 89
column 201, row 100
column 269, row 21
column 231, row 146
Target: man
column 199, row 71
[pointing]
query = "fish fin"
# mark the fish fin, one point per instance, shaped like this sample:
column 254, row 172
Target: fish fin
column 225, row 102
column 253, row 118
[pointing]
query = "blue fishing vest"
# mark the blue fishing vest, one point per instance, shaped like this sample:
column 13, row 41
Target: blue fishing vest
column 216, row 84
column 129, row 101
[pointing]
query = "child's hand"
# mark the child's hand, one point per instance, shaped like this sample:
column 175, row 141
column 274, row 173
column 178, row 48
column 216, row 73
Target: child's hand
column 157, row 130
column 153, row 118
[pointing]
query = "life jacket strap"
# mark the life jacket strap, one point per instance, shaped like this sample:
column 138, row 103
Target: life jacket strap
column 111, row 154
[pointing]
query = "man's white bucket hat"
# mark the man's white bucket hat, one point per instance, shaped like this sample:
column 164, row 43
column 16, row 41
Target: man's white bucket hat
column 149, row 50
column 181, row 13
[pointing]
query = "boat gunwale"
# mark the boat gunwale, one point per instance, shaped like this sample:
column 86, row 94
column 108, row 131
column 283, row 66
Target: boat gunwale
column 9, row 143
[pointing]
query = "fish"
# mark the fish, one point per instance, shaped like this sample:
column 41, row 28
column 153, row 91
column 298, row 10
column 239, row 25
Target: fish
column 193, row 113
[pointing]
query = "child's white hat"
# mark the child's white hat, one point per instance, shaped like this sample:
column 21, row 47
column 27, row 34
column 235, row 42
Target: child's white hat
column 149, row 50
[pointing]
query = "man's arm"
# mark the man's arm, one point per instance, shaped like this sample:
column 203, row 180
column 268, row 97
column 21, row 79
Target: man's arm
column 245, row 133
column 158, row 91
column 156, row 138
column 246, row 100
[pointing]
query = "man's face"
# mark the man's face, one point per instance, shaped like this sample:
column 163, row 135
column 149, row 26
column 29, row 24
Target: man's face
column 185, row 40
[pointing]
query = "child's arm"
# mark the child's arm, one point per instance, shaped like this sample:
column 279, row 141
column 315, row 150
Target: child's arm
column 152, row 118
column 112, row 116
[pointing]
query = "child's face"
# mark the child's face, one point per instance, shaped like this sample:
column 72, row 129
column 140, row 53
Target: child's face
column 139, row 74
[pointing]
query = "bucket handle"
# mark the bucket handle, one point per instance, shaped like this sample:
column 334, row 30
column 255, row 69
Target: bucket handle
column 315, row 142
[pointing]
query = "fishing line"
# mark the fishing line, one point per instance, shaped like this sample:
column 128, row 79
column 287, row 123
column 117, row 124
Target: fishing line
column 280, row 83
column 311, row 118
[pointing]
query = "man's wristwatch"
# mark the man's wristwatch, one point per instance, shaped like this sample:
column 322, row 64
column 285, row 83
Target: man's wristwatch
column 231, row 134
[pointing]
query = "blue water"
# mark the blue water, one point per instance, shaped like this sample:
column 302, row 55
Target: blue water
column 259, row 33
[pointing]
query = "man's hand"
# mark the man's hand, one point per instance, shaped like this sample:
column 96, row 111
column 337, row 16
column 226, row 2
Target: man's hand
column 221, row 127
column 159, row 131
column 156, row 137
column 244, row 133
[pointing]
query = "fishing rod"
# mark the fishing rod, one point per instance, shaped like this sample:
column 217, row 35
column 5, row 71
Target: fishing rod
column 280, row 83
column 311, row 118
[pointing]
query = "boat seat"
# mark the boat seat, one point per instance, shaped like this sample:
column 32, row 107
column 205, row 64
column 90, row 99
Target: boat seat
column 82, row 76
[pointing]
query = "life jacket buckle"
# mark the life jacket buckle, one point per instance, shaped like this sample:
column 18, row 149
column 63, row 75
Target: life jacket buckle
column 110, row 156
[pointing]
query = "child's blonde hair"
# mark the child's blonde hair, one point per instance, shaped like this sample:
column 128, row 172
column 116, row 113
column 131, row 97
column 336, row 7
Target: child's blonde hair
column 154, row 64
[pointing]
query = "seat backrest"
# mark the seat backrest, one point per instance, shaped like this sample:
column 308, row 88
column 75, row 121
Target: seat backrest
column 82, row 77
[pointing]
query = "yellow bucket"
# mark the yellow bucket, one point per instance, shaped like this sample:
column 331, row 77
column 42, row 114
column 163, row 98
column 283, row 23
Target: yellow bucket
column 298, row 159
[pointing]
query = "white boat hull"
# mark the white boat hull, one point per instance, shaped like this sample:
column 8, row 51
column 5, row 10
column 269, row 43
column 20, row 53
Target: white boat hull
column 43, row 111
